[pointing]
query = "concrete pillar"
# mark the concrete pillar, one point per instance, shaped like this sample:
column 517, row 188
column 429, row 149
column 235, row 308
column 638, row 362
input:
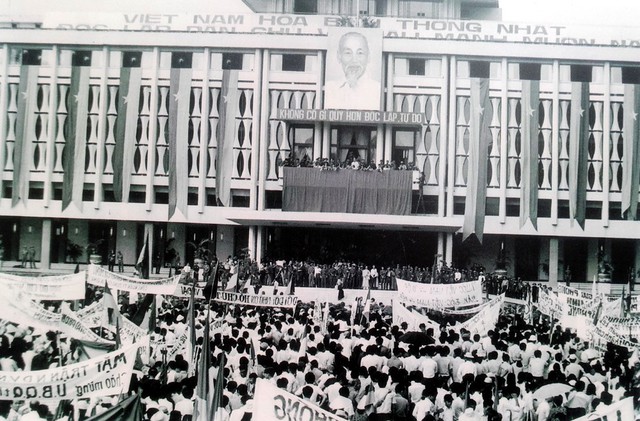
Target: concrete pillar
column 45, row 245
column 441, row 244
column 554, row 257
column 544, row 259
column 449, row 253
column 224, row 242
column 126, row 233
column 592, row 259
column 252, row 242
column 260, row 232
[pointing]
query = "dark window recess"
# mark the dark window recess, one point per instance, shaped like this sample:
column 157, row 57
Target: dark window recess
column 192, row 199
column 87, row 195
column 81, row 58
column 530, row 71
column 211, row 199
column 8, row 191
column 32, row 57
column 479, row 69
column 181, row 60
column 293, row 62
column 416, row 67
column 232, row 61
column 593, row 211
column 108, row 195
column 581, row 73
column 162, row 197
column 37, row 194
column 305, row 6
column 131, row 58
column 240, row 201
column 544, row 208
column 631, row 75
column 57, row 193
column 137, row 197
column 274, row 199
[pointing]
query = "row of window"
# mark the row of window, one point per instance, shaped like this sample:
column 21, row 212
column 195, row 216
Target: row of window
column 305, row 63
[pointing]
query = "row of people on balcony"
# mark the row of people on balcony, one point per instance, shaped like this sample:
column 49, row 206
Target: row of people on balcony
column 351, row 162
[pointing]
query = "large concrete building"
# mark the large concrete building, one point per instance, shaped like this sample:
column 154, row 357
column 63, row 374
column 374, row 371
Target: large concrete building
column 113, row 126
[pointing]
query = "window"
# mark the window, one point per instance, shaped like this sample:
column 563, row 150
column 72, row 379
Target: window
column 181, row 60
column 631, row 75
column 301, row 138
column 131, row 58
column 31, row 57
column 305, row 6
column 293, row 62
column 479, row 69
column 580, row 73
column 416, row 67
column 404, row 147
column 232, row 61
column 353, row 142
column 530, row 71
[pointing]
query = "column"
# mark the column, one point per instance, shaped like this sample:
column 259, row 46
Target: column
column 259, row 243
column 441, row 243
column 45, row 245
column 252, row 242
column 449, row 252
column 554, row 257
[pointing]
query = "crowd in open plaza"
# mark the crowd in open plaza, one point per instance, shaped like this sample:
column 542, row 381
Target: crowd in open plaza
column 190, row 347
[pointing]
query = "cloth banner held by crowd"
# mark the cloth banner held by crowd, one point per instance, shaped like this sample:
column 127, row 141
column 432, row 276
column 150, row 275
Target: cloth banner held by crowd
column 273, row 404
column 604, row 332
column 184, row 291
column 260, row 300
column 93, row 315
column 627, row 326
column 107, row 375
column 549, row 304
column 622, row 410
column 413, row 320
column 20, row 310
column 439, row 296
column 99, row 276
column 50, row 288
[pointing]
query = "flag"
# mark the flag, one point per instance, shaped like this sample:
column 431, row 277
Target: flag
column 479, row 140
column 228, row 104
column 291, row 288
column 146, row 313
column 76, row 133
column 631, row 156
column 578, row 151
column 112, row 316
column 232, row 285
column 126, row 126
column 142, row 264
column 529, row 157
column 88, row 350
column 366, row 311
column 129, row 409
column 216, row 401
column 201, row 407
column 179, row 98
column 24, row 127
column 191, row 343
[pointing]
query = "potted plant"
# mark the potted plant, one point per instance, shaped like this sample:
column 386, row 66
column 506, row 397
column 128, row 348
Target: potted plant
column 93, row 253
column 501, row 261
column 74, row 251
column 202, row 253
column 605, row 268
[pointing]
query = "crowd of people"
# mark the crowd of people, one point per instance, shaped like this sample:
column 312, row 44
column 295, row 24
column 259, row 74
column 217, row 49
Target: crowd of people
column 362, row 276
column 357, row 365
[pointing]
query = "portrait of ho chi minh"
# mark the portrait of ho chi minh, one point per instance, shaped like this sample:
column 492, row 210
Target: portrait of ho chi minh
column 353, row 71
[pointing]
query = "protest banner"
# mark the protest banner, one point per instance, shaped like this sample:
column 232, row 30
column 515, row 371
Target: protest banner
column 275, row 404
column 99, row 276
column 549, row 304
column 622, row 410
column 51, row 288
column 485, row 320
column 93, row 315
column 184, row 291
column 413, row 320
column 261, row 300
column 106, row 375
column 628, row 327
column 440, row 296
column 18, row 309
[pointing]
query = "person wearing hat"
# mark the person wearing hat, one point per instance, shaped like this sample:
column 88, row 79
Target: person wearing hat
column 573, row 368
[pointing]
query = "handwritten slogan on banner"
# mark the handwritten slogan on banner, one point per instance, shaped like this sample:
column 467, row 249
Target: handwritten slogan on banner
column 401, row 314
column 440, row 295
column 62, row 287
column 99, row 276
column 288, row 301
column 276, row 404
column 107, row 375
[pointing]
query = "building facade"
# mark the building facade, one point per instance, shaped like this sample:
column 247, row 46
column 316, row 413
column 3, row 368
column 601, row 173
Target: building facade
column 117, row 129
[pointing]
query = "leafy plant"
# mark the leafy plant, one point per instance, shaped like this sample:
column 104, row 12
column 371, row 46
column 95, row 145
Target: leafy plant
column 604, row 264
column 201, row 250
column 92, row 248
column 74, row 251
